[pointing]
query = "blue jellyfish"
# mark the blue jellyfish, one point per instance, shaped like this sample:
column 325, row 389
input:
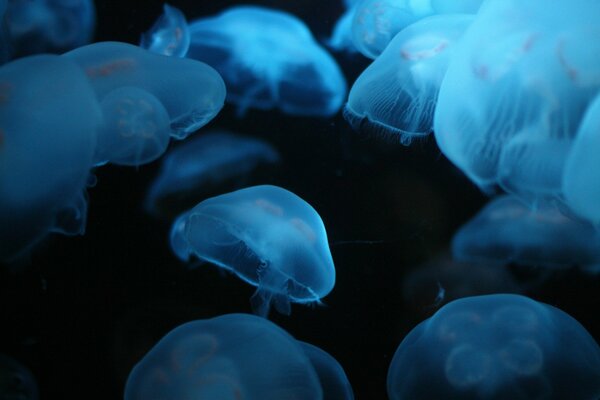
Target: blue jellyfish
column 234, row 356
column 500, row 346
column 45, row 158
column 16, row 381
column 170, row 35
column 206, row 164
column 397, row 93
column 341, row 37
column 507, row 230
column 515, row 92
column 269, row 59
column 39, row 26
column 333, row 379
column 267, row 236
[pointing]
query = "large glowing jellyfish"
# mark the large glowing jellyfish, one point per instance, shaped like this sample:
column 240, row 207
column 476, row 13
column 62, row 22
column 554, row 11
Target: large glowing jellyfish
column 496, row 347
column 269, row 59
column 170, row 35
column 267, row 236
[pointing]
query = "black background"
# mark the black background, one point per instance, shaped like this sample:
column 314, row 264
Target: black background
column 87, row 308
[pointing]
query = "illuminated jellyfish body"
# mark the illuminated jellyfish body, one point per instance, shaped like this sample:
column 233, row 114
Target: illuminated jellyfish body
column 515, row 92
column 268, row 237
column 333, row 380
column 269, row 59
column 581, row 179
column 45, row 158
column 341, row 37
column 507, row 230
column 496, row 347
column 207, row 164
column 16, row 381
column 170, row 35
column 376, row 22
column 234, row 356
column 146, row 98
column 396, row 95
column 38, row 26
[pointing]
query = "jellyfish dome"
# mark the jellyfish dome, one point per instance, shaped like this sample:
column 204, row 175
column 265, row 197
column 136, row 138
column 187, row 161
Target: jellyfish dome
column 333, row 380
column 269, row 59
column 267, row 236
column 499, row 346
column 234, row 356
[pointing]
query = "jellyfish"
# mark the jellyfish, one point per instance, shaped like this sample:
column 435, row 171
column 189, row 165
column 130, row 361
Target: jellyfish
column 16, row 381
column 170, row 35
column 507, row 230
column 267, row 236
column 45, row 158
column 515, row 92
column 269, row 59
column 500, row 346
column 396, row 95
column 205, row 165
column 333, row 380
column 341, row 37
column 233, row 356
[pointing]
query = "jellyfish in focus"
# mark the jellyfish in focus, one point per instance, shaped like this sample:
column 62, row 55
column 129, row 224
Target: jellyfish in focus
column 16, row 381
column 333, row 380
column 170, row 35
column 233, row 356
column 269, row 59
column 205, row 165
column 267, row 236
column 500, row 346
column 396, row 95
column 507, row 230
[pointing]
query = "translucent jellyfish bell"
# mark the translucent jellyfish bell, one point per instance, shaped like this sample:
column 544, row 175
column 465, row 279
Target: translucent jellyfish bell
column 269, row 59
column 396, row 95
column 267, row 236
column 331, row 375
column 499, row 346
column 234, row 356
column 16, row 381
column 170, row 35
column 341, row 37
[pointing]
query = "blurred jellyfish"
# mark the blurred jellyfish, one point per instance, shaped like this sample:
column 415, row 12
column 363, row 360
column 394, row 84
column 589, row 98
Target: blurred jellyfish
column 269, row 59
column 507, row 230
column 234, row 356
column 16, row 381
column 203, row 166
column 40, row 26
column 333, row 380
column 397, row 93
column 170, row 35
column 45, row 158
column 496, row 347
column 267, row 236
column 516, row 90
column 341, row 37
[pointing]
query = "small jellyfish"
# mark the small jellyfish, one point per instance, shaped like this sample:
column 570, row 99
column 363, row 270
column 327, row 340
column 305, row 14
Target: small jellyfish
column 507, row 230
column 207, row 165
column 267, row 236
column 16, row 381
column 396, row 95
column 170, row 35
column 333, row 379
column 499, row 346
column 191, row 92
column 234, row 356
column 269, row 59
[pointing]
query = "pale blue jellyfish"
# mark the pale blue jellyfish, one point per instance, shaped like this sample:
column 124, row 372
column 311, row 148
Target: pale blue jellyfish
column 269, row 59
column 496, row 347
column 516, row 90
column 507, row 230
column 234, row 356
column 39, row 26
column 204, row 164
column 341, row 37
column 333, row 379
column 16, row 381
column 268, row 237
column 170, row 35
column 396, row 95
column 45, row 157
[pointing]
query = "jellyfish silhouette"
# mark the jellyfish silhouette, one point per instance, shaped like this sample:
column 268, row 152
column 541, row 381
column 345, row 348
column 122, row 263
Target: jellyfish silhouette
column 16, row 381
column 170, row 35
column 499, row 346
column 333, row 380
column 267, row 236
column 234, row 356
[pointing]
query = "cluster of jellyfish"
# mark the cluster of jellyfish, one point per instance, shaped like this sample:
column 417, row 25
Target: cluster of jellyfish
column 507, row 87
